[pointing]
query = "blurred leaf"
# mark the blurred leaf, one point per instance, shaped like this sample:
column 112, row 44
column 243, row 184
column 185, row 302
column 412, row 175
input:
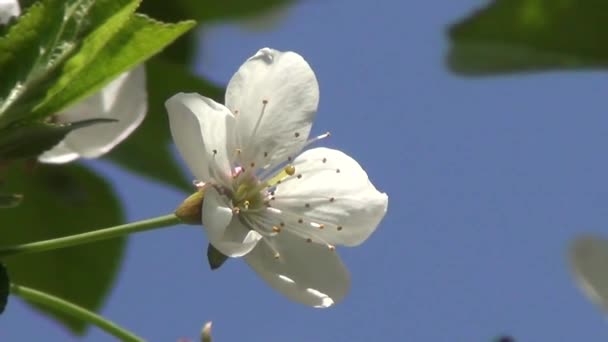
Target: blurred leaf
column 31, row 139
column 32, row 50
column 62, row 201
column 147, row 151
column 139, row 39
column 531, row 35
column 4, row 287
column 215, row 258
column 10, row 200
column 203, row 11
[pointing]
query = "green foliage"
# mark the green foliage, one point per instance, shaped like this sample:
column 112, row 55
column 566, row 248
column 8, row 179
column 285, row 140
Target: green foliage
column 152, row 141
column 30, row 139
column 4, row 288
column 32, row 50
column 10, row 200
column 531, row 35
column 61, row 201
column 51, row 63
column 139, row 38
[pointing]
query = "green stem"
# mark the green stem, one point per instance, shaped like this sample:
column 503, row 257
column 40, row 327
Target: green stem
column 73, row 310
column 96, row 235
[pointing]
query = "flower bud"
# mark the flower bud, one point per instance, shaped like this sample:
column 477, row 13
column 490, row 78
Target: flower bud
column 190, row 211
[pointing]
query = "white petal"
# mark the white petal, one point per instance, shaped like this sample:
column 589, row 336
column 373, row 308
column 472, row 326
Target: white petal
column 588, row 259
column 224, row 230
column 307, row 273
column 202, row 129
column 124, row 99
column 333, row 196
column 8, row 9
column 280, row 127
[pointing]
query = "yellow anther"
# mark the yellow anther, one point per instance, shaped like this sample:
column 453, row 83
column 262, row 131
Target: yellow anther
column 276, row 229
column 246, row 204
column 290, row 169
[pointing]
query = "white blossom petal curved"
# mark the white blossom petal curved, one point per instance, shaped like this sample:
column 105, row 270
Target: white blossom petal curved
column 124, row 99
column 201, row 129
column 224, row 230
column 274, row 96
column 330, row 199
column 9, row 9
column 307, row 273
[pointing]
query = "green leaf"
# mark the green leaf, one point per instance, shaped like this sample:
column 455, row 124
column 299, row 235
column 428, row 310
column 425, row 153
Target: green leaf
column 531, row 35
column 32, row 138
column 4, row 288
column 33, row 48
column 10, row 200
column 139, row 39
column 61, row 201
column 105, row 20
column 148, row 150
column 203, row 11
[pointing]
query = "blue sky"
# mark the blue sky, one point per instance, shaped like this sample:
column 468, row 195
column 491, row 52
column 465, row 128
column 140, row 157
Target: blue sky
column 488, row 180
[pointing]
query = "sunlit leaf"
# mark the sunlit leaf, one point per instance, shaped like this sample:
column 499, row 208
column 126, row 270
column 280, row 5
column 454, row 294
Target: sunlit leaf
column 139, row 38
column 61, row 201
column 531, row 35
column 34, row 48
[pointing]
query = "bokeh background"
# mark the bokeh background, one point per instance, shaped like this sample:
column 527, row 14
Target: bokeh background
column 488, row 180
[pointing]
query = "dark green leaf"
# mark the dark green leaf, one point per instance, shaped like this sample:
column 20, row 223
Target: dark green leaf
column 31, row 139
column 216, row 258
column 4, row 288
column 147, row 151
column 139, row 38
column 531, row 35
column 10, row 200
column 62, row 201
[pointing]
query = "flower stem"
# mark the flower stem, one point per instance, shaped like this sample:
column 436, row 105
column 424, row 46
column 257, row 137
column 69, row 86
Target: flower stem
column 96, row 235
column 60, row 305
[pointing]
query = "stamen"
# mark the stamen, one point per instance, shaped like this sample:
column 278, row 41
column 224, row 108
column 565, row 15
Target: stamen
column 276, row 229
column 339, row 228
column 236, row 210
column 246, row 204
column 277, row 255
column 290, row 169
column 317, row 138
column 331, row 247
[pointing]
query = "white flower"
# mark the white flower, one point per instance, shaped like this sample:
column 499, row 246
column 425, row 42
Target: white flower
column 124, row 99
column 283, row 214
